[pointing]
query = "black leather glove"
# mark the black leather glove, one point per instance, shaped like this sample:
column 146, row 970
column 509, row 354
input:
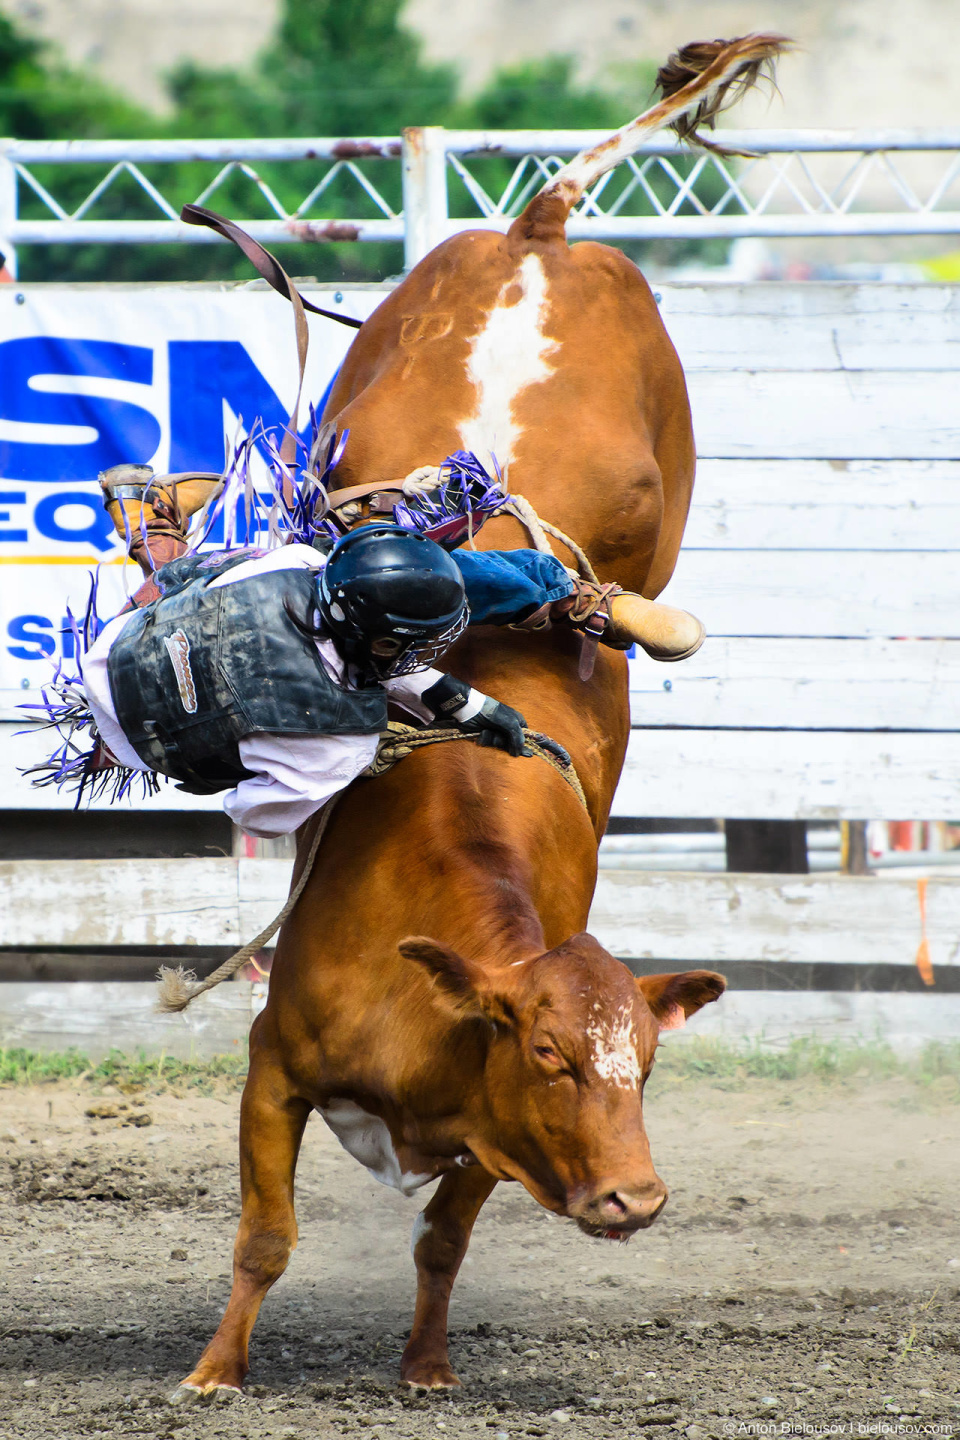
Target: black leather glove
column 495, row 724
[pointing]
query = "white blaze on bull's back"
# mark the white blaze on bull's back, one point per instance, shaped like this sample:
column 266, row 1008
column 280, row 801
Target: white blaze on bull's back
column 614, row 1047
column 510, row 353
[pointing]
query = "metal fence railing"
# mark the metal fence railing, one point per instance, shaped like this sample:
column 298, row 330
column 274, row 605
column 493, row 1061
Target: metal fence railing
column 429, row 183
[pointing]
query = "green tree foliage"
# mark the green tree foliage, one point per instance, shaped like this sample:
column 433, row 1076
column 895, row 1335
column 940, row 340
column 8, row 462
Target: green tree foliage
column 543, row 95
column 41, row 100
column 335, row 67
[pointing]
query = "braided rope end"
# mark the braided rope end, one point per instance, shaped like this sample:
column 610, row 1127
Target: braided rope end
column 175, row 989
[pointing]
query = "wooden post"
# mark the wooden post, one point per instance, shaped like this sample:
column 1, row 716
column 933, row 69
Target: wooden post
column 853, row 847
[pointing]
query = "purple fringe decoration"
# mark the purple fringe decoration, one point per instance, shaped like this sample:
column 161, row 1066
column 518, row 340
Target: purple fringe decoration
column 296, row 508
column 466, row 498
column 64, row 708
column 292, row 507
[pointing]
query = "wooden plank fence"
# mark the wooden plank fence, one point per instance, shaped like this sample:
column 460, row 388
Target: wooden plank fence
column 652, row 920
column 151, row 904
column 96, row 1017
column 100, row 1016
column 821, row 552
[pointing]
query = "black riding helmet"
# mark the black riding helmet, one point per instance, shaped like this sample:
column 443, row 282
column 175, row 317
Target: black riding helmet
column 393, row 600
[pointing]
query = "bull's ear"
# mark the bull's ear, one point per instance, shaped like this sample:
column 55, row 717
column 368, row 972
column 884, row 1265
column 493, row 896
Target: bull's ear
column 465, row 986
column 674, row 998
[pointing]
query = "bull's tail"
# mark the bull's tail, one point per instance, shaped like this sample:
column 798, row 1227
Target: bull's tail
column 697, row 83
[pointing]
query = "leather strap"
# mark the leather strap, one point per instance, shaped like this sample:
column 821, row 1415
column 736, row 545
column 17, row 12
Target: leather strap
column 269, row 268
column 590, row 615
column 586, row 609
column 363, row 492
column 274, row 274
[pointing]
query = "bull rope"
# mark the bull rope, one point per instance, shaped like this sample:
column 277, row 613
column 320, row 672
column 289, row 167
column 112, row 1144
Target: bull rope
column 178, row 987
column 521, row 509
column 428, row 478
column 400, row 740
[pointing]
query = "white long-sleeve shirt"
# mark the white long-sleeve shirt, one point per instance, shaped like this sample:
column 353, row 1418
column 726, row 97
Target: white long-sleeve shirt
column 292, row 775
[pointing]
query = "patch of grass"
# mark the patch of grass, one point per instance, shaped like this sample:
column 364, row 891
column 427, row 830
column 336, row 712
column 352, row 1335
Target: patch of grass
column 937, row 1064
column 156, row 1074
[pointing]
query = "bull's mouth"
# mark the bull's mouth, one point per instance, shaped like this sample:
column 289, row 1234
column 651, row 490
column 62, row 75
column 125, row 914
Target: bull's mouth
column 622, row 1231
column 609, row 1232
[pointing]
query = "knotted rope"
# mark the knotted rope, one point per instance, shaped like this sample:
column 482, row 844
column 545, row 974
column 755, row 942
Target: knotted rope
column 400, row 740
column 521, row 509
column 428, row 478
column 178, row 987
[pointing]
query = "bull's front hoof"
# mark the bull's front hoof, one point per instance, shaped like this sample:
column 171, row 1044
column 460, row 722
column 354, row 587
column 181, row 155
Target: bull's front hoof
column 428, row 1375
column 189, row 1392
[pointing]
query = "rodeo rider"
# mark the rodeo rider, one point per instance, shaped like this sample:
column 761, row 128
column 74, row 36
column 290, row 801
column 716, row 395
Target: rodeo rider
column 269, row 677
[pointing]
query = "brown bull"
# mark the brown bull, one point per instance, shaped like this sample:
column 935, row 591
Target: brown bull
column 508, row 1045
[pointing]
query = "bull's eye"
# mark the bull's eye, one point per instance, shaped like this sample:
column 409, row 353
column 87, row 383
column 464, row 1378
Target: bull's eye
column 547, row 1053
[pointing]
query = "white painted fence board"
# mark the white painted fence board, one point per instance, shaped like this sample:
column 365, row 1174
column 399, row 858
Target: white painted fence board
column 263, row 886
column 803, row 685
column 776, row 775
column 670, row 916
column 100, row 903
column 806, row 775
column 97, row 1017
column 855, row 593
column 712, row 919
column 813, row 326
column 905, row 1021
column 825, row 505
column 820, row 414
column 119, row 902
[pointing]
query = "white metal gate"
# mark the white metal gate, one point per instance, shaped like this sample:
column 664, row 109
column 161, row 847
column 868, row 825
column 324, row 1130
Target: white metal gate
column 797, row 183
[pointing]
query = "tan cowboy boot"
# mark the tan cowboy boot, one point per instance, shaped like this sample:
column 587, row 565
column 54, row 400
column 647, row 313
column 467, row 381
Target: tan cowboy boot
column 607, row 615
column 151, row 512
column 665, row 633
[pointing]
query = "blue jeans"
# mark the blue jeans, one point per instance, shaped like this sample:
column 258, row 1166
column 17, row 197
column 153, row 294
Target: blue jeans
column 505, row 586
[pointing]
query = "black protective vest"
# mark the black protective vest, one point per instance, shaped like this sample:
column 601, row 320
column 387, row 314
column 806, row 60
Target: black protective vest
column 198, row 669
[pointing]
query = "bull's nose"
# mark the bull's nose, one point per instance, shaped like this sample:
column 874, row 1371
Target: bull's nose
column 621, row 1211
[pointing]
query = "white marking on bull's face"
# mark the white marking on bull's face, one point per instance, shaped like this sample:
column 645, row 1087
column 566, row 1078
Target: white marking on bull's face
column 421, row 1227
column 367, row 1139
column 614, row 1049
column 509, row 353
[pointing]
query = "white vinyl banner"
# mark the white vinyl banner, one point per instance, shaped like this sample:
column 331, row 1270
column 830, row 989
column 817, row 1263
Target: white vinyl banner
column 92, row 377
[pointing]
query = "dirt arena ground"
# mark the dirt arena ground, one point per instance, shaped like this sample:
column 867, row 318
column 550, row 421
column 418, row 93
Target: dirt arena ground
column 805, row 1274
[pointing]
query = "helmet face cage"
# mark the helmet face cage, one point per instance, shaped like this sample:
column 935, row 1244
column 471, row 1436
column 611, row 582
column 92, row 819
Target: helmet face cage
column 421, row 657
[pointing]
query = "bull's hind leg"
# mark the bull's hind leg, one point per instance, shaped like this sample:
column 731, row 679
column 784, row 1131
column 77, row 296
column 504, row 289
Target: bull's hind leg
column 272, row 1122
column 441, row 1235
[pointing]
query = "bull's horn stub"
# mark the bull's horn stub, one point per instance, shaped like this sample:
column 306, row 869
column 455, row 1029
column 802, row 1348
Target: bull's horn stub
column 664, row 632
